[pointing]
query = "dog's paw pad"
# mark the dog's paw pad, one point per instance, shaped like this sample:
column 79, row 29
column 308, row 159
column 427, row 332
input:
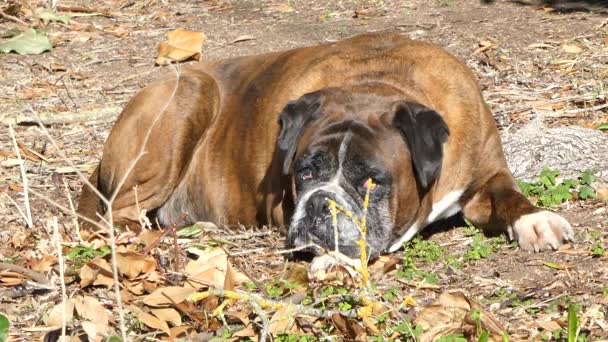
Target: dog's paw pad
column 541, row 231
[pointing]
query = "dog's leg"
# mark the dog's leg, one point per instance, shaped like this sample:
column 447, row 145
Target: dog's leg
column 499, row 207
column 151, row 144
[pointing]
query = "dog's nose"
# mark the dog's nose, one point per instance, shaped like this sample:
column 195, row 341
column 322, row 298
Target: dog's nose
column 318, row 204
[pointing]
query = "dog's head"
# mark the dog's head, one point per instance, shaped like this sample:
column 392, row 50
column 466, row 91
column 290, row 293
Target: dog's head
column 335, row 141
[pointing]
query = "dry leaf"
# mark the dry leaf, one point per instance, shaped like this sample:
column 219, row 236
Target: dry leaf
column 297, row 274
column 132, row 264
column 282, row 320
column 177, row 331
column 168, row 315
column 90, row 308
column 44, row 264
column 56, row 314
column 180, row 46
column 89, row 274
column 150, row 320
column 248, row 331
column 350, row 328
column 602, row 193
column 211, row 268
column 451, row 314
column 148, row 237
column 159, row 296
column 571, row 48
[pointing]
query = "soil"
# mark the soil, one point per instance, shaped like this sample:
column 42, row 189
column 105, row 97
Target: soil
column 98, row 62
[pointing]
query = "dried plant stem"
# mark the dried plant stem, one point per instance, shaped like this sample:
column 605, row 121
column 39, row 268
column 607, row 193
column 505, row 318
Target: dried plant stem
column 64, row 297
column 26, row 213
column 264, row 303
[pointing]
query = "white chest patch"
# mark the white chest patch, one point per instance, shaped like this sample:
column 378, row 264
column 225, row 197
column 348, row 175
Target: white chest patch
column 444, row 208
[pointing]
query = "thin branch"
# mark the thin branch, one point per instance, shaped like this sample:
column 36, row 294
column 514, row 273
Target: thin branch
column 28, row 212
column 64, row 297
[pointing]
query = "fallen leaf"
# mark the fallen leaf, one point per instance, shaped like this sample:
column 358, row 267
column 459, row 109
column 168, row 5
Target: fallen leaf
column 28, row 42
column 150, row 320
column 180, row 46
column 132, row 264
column 211, row 268
column 90, row 273
column 56, row 314
column 571, row 48
column 168, row 315
column 159, row 296
column 297, row 274
column 350, row 328
column 602, row 193
column 282, row 320
column 44, row 264
column 451, row 314
column 89, row 307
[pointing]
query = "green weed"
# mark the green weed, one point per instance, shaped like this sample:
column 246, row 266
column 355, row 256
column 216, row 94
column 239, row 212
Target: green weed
column 548, row 191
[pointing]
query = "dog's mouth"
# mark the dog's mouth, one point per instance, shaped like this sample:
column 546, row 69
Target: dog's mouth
column 316, row 236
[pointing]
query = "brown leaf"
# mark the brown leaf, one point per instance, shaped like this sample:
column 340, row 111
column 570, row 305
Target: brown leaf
column 132, row 264
column 211, row 268
column 148, row 237
column 180, row 46
column 90, row 308
column 150, row 320
column 602, row 193
column 297, row 274
column 159, row 296
column 168, row 315
column 97, row 272
column 349, row 327
column 248, row 331
column 571, row 48
column 56, row 314
column 451, row 314
column 44, row 264
column 282, row 320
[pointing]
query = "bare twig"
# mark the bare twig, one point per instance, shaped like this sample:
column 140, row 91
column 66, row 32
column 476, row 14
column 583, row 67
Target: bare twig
column 27, row 214
column 15, row 19
column 35, row 276
column 64, row 297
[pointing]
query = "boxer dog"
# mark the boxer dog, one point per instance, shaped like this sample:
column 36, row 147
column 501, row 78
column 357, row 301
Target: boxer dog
column 269, row 139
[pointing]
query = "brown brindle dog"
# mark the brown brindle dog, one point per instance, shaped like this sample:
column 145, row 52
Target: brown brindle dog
column 268, row 139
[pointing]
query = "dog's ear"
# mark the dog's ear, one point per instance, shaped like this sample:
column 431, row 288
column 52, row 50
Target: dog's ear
column 424, row 131
column 293, row 119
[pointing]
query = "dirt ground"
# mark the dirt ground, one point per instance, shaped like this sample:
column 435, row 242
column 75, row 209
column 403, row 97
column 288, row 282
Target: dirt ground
column 520, row 51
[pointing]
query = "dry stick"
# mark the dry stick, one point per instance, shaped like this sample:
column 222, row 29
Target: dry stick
column 10, row 17
column 67, row 193
column 64, row 297
column 28, row 212
column 35, row 276
column 165, row 232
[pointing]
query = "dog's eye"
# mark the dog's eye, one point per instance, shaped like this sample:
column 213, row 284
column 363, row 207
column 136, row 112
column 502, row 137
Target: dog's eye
column 369, row 183
column 306, row 173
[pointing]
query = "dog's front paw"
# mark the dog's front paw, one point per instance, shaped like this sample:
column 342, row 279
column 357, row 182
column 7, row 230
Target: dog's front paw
column 540, row 231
